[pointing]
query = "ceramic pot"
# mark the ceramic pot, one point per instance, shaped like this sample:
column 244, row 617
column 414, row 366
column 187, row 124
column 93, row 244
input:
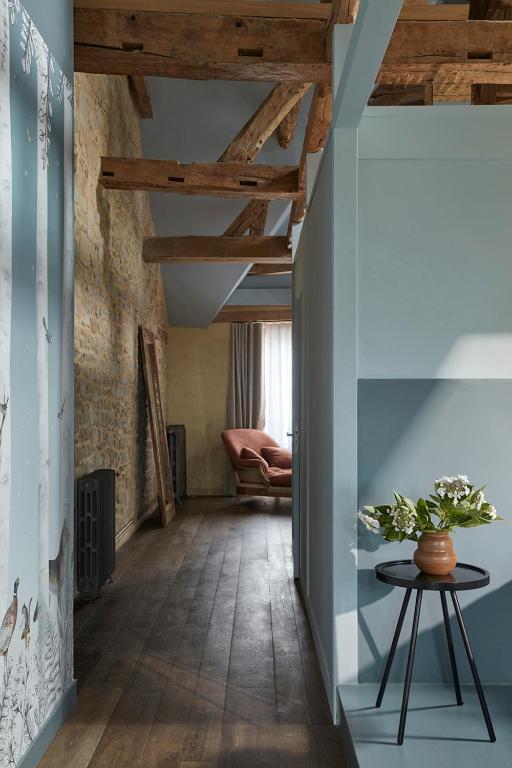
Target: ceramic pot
column 435, row 554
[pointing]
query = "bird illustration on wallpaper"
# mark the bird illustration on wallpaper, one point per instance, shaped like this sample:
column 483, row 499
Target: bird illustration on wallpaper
column 8, row 627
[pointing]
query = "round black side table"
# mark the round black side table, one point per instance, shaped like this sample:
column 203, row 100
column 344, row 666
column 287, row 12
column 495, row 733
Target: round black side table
column 404, row 573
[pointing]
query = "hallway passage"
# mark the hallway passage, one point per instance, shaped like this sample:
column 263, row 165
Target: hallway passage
column 200, row 655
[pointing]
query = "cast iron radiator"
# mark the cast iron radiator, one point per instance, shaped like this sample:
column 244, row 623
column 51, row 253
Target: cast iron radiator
column 95, row 530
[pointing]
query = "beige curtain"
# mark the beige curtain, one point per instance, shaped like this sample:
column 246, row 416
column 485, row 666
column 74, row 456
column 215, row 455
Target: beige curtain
column 246, row 402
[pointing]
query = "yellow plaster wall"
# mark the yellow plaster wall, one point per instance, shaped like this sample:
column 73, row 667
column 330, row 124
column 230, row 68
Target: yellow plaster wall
column 197, row 389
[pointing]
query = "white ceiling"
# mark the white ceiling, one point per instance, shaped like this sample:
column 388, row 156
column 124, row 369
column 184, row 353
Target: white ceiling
column 195, row 121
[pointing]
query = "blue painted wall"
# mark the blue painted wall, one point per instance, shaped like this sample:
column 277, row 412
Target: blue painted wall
column 313, row 276
column 412, row 297
column 435, row 359
column 36, row 337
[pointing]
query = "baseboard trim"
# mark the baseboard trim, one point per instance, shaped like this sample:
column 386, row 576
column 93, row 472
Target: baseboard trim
column 322, row 659
column 46, row 735
column 129, row 529
column 347, row 742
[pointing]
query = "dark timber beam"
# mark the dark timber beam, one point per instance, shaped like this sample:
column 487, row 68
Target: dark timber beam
column 238, row 250
column 260, row 182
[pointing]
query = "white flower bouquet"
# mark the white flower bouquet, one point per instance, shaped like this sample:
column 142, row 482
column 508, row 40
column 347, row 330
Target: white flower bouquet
column 454, row 503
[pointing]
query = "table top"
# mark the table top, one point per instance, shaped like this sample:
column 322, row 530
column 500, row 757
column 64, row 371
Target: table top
column 405, row 573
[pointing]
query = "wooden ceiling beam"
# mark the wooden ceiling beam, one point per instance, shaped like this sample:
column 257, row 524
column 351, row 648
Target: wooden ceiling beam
column 106, row 61
column 262, row 182
column 140, row 91
column 252, row 8
column 259, row 128
column 449, row 42
column 422, row 10
column 453, row 55
column 287, row 127
column 270, row 269
column 238, row 250
column 233, row 313
column 315, row 138
column 200, row 46
column 247, row 218
column 472, row 72
column 258, row 226
column 344, row 11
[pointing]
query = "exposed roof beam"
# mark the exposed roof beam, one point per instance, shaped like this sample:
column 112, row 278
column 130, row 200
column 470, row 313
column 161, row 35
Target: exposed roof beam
column 344, row 11
column 446, row 42
column 422, row 10
column 473, row 71
column 270, row 269
column 400, row 96
column 258, row 226
column 263, row 182
column 247, row 218
column 232, row 313
column 239, row 250
column 253, row 8
column 317, row 131
column 200, row 46
column 141, row 96
column 248, row 142
column 287, row 127
column 106, row 61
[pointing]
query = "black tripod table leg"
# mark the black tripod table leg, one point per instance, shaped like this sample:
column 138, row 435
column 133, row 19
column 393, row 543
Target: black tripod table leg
column 410, row 663
column 394, row 644
column 474, row 671
column 451, row 651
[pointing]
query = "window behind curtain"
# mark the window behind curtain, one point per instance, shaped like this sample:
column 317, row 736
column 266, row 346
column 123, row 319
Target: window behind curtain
column 277, row 360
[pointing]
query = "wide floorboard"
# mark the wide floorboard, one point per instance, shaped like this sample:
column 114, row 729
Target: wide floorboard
column 199, row 654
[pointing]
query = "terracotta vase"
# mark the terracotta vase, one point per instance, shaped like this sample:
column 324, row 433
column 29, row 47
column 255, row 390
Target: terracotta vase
column 435, row 554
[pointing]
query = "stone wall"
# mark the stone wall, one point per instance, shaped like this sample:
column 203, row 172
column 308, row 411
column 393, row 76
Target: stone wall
column 114, row 293
column 197, row 392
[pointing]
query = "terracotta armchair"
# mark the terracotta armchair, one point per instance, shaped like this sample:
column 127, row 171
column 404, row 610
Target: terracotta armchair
column 261, row 467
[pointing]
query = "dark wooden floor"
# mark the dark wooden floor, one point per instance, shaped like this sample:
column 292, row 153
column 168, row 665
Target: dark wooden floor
column 199, row 655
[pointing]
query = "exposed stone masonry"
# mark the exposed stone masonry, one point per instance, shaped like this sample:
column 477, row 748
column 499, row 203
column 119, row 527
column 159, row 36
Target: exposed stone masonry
column 114, row 293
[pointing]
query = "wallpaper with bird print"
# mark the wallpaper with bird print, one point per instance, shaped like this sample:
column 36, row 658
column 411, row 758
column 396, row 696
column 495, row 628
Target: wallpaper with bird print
column 36, row 383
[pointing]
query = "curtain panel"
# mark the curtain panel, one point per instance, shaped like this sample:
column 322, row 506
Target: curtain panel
column 246, row 401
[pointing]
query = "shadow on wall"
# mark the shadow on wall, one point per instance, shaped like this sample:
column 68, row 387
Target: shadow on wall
column 484, row 630
column 411, row 432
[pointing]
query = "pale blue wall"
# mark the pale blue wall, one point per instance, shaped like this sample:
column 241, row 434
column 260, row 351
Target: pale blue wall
column 313, row 276
column 435, row 358
column 404, row 277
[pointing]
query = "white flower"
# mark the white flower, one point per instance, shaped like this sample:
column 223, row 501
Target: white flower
column 370, row 523
column 491, row 512
column 479, row 499
column 403, row 519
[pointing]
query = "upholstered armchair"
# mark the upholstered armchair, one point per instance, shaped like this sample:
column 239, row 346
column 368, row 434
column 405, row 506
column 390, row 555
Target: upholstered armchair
column 261, row 466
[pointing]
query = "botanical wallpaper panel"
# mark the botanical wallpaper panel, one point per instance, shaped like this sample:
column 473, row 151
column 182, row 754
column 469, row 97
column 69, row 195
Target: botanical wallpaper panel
column 36, row 382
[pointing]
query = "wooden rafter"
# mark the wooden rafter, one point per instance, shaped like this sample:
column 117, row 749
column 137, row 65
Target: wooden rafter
column 270, row 269
column 317, row 130
column 247, row 218
column 141, row 96
column 263, row 182
column 239, row 250
column 452, row 55
column 401, row 96
column 200, row 45
column 253, row 8
column 422, row 10
column 258, row 226
column 233, row 313
column 248, row 142
column 287, row 127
